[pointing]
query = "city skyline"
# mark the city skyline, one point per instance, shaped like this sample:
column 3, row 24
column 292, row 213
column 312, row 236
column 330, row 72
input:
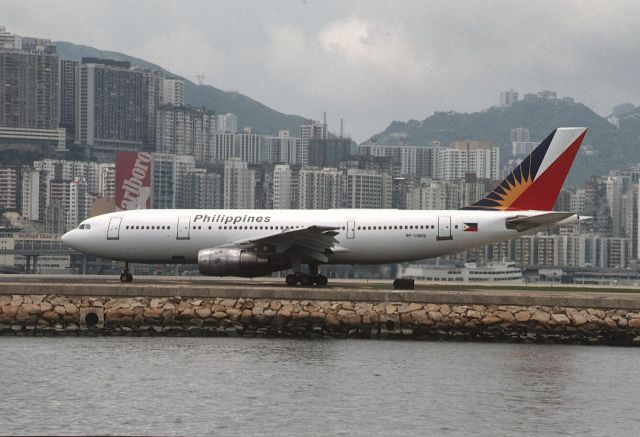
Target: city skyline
column 367, row 63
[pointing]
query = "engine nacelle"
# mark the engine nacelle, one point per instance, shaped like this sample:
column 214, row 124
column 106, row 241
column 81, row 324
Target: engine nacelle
column 233, row 262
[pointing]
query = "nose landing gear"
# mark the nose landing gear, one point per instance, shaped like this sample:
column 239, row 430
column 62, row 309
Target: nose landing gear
column 126, row 275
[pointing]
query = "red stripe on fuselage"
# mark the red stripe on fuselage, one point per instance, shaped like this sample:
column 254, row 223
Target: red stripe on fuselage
column 543, row 192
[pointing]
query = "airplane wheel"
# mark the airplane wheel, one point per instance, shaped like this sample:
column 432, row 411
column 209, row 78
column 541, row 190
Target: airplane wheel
column 306, row 280
column 124, row 277
column 291, row 279
column 321, row 280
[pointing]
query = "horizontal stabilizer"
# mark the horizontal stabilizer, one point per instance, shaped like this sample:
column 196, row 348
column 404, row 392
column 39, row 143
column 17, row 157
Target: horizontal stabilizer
column 523, row 223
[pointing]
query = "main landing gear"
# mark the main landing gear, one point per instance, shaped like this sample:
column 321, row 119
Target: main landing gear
column 306, row 279
column 126, row 275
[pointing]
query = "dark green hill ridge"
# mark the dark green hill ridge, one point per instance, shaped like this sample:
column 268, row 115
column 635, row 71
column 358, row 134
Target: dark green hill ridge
column 610, row 147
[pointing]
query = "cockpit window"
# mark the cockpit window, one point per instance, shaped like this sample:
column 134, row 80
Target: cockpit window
column 87, row 226
column 81, row 226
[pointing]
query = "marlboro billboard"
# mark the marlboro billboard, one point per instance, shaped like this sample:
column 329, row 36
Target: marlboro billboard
column 133, row 180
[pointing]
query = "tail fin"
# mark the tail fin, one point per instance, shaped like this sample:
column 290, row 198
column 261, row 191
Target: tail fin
column 537, row 181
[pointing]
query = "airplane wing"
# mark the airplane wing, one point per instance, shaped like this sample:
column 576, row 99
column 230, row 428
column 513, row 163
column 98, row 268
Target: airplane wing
column 523, row 223
column 313, row 242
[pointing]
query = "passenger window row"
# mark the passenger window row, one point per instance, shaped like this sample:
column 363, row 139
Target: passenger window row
column 151, row 227
column 384, row 228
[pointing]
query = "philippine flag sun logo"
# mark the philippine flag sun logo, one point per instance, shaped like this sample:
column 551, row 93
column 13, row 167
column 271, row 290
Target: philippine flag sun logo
column 470, row 227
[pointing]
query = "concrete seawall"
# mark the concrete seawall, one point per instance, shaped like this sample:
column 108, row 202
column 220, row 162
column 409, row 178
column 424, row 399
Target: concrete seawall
column 175, row 309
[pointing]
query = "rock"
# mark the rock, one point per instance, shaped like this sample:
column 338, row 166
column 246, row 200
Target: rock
column 418, row 316
column 595, row 312
column 541, row 316
column 344, row 312
column 258, row 310
column 622, row 323
column 45, row 306
column 219, row 315
column 217, row 308
column 246, row 316
column 275, row 305
column 507, row 316
column 331, row 320
column 50, row 315
column 168, row 307
column 577, row 319
column 37, row 298
column 153, row 313
column 609, row 322
column 415, row 306
column 391, row 309
column 431, row 307
column 126, row 312
column 352, row 319
column 317, row 316
column 491, row 320
column 203, row 313
column 523, row 316
column 188, row 313
column 445, row 310
column 10, row 310
column 285, row 311
column 16, row 301
column 633, row 316
column 474, row 314
column 4, row 300
column 300, row 315
column 194, row 302
column 60, row 310
column 560, row 319
column 156, row 303
column 228, row 302
column 435, row 316
column 347, row 306
column 71, row 308
column 233, row 312
column 634, row 323
column 405, row 318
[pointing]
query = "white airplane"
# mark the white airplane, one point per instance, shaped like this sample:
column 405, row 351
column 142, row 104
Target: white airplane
column 253, row 243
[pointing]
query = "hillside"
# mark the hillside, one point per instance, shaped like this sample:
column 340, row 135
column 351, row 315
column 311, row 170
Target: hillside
column 612, row 148
column 250, row 112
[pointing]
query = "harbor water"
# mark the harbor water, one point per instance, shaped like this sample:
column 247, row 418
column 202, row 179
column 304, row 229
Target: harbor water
column 240, row 386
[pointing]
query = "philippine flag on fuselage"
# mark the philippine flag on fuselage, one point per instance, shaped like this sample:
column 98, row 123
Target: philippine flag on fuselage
column 470, row 227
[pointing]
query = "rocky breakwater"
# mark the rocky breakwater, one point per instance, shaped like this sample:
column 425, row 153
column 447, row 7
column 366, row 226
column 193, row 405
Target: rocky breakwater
column 60, row 315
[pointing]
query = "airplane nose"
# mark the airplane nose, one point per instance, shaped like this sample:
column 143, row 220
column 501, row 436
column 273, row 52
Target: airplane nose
column 66, row 238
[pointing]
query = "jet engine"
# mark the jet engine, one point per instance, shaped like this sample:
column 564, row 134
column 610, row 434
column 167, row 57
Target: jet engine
column 235, row 262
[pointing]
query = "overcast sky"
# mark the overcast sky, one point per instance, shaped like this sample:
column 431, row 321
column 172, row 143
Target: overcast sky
column 369, row 62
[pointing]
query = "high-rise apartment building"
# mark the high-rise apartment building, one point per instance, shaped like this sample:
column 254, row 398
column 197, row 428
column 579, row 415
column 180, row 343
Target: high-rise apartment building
column 282, row 185
column 8, row 189
column 168, row 175
column 221, row 146
column 309, row 130
column 328, row 152
column 110, row 106
column 183, row 130
column 520, row 134
column 284, row 149
column 368, row 189
column 320, row 188
column 248, row 146
column 29, row 86
column 239, row 185
column 68, row 75
column 172, row 91
column 508, row 98
column 227, row 123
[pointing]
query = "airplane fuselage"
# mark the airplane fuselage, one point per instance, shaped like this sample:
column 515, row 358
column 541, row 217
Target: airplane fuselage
column 363, row 236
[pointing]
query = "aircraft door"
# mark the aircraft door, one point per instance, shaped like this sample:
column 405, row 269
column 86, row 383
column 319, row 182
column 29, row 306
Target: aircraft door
column 444, row 228
column 113, row 231
column 351, row 229
column 183, row 228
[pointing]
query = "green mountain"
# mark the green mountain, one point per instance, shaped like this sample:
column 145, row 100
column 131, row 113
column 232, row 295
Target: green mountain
column 605, row 147
column 250, row 112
